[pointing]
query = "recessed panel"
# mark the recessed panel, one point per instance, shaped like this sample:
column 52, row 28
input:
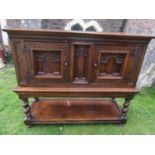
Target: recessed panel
column 80, row 63
column 110, row 64
column 47, row 63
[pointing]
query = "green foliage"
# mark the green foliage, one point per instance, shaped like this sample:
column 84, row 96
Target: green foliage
column 141, row 117
column 9, row 59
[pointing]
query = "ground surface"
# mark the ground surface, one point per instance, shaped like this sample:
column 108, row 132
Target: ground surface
column 141, row 117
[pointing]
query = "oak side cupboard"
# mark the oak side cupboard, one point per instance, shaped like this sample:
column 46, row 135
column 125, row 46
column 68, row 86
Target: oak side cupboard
column 75, row 77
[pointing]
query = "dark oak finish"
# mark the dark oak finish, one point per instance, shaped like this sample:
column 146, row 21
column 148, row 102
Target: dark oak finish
column 76, row 64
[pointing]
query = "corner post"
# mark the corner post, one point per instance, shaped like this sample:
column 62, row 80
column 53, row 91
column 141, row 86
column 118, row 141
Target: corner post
column 125, row 109
column 27, row 111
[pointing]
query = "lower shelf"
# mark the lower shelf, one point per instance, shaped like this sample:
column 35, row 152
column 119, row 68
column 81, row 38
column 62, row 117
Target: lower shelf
column 55, row 111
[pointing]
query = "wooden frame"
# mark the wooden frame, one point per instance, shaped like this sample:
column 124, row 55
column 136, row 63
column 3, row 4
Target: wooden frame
column 82, row 100
column 72, row 52
column 118, row 50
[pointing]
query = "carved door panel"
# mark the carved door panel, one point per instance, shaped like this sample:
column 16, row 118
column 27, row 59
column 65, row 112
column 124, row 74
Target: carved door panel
column 47, row 62
column 113, row 63
column 80, row 63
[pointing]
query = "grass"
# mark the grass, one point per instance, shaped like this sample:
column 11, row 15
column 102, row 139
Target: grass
column 141, row 117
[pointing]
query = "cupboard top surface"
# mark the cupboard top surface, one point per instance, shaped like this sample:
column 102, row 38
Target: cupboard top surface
column 41, row 32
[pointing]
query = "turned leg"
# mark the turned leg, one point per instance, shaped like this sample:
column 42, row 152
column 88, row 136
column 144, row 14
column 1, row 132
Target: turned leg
column 125, row 109
column 27, row 112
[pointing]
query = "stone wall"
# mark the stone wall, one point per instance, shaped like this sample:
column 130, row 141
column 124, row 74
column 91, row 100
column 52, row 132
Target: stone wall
column 57, row 24
column 13, row 23
column 24, row 23
column 108, row 25
column 145, row 27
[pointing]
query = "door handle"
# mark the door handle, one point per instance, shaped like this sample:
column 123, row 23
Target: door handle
column 95, row 70
column 95, row 65
column 66, row 64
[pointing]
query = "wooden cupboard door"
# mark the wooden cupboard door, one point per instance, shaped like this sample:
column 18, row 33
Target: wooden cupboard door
column 80, row 63
column 47, row 62
column 113, row 64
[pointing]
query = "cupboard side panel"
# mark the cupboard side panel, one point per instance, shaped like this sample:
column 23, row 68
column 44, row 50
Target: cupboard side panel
column 19, row 59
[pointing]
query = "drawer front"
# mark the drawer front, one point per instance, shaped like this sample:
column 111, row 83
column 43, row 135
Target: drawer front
column 47, row 62
column 113, row 64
